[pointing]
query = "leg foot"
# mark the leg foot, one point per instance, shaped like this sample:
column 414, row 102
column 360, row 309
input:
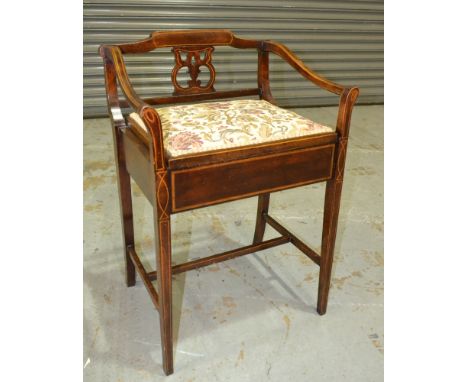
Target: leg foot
column 330, row 222
column 163, row 259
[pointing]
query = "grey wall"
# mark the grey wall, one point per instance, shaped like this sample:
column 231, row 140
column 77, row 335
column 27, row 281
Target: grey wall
column 342, row 40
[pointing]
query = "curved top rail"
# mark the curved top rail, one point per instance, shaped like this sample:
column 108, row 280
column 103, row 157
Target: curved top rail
column 220, row 37
column 165, row 39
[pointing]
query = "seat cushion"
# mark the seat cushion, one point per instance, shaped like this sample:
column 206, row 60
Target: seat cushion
column 203, row 127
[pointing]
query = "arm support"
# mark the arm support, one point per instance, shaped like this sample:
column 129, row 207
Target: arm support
column 296, row 63
column 115, row 112
column 347, row 95
column 115, row 70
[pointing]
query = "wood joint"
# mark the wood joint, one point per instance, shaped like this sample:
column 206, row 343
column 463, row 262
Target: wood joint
column 144, row 276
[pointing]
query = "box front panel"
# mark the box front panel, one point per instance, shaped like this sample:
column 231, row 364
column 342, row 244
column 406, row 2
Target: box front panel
column 207, row 185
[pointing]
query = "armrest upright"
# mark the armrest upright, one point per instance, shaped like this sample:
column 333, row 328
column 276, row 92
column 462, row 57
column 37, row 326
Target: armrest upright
column 115, row 71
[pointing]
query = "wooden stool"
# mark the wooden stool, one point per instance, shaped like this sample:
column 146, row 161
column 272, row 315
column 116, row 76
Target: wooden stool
column 189, row 156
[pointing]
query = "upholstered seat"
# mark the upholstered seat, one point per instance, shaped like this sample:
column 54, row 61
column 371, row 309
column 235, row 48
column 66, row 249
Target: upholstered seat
column 203, row 127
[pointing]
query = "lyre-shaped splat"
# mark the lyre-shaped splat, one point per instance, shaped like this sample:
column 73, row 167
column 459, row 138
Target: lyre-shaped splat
column 195, row 57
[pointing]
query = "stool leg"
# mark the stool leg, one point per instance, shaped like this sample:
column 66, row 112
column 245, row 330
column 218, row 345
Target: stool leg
column 262, row 209
column 162, row 228
column 333, row 197
column 330, row 222
column 164, row 267
column 126, row 210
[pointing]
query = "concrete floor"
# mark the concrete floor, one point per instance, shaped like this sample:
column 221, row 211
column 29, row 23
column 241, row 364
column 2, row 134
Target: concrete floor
column 251, row 318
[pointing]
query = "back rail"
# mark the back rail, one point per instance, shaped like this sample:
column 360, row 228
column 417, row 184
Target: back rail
column 205, row 37
column 192, row 50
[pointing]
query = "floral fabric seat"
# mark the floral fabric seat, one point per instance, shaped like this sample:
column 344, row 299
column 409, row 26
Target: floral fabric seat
column 203, row 127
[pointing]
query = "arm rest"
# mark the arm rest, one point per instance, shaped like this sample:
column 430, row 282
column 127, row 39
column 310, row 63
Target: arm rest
column 115, row 68
column 113, row 57
column 113, row 104
column 348, row 95
column 284, row 52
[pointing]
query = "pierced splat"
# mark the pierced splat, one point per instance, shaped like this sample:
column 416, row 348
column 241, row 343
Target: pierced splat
column 193, row 58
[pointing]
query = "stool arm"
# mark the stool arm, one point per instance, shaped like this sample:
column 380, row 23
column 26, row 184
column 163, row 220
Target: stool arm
column 116, row 70
column 287, row 55
column 113, row 103
column 348, row 95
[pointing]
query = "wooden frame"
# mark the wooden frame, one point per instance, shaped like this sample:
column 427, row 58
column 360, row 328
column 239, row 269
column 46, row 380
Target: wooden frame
column 166, row 181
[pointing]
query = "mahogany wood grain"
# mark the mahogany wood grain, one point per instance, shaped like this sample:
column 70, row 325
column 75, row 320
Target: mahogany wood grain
column 138, row 164
column 333, row 198
column 263, row 75
column 123, row 178
column 200, row 186
column 162, row 230
column 195, row 58
column 179, row 38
